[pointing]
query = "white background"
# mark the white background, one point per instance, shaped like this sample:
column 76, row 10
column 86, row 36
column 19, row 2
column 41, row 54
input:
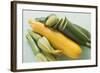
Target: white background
column 5, row 37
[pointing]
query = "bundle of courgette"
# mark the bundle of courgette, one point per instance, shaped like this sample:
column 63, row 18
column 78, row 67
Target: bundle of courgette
column 41, row 47
column 73, row 31
column 52, row 36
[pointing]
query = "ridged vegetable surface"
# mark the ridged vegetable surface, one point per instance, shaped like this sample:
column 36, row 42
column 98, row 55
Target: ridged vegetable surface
column 39, row 55
column 87, row 33
column 32, row 44
column 58, row 40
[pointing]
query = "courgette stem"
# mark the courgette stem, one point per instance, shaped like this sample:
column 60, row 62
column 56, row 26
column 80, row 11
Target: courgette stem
column 88, row 45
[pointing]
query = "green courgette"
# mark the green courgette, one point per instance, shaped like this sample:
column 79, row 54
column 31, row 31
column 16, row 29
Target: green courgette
column 75, row 33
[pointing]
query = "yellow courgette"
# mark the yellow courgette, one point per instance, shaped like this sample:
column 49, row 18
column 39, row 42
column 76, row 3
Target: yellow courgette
column 58, row 40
